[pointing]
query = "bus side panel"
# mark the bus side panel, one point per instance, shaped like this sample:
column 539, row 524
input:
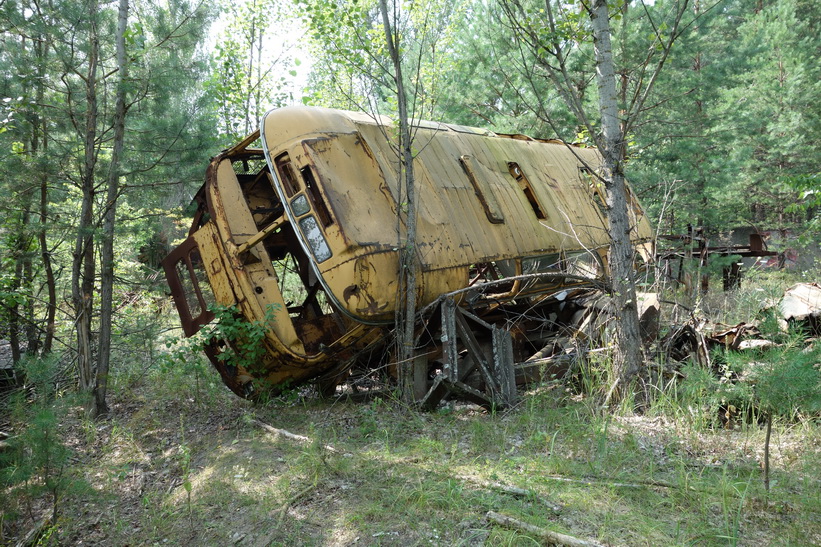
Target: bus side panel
column 210, row 248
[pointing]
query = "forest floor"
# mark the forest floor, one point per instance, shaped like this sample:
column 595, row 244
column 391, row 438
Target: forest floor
column 171, row 466
column 180, row 460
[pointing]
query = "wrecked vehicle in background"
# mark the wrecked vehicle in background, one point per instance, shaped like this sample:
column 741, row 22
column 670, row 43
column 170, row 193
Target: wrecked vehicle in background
column 302, row 232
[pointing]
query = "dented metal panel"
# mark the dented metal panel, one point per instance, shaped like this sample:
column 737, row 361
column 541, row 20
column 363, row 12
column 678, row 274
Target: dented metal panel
column 305, row 228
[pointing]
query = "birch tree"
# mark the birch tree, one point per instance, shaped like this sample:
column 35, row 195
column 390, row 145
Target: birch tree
column 250, row 72
column 552, row 38
column 378, row 58
column 611, row 145
column 408, row 259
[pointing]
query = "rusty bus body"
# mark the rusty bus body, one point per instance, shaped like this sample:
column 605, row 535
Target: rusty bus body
column 305, row 230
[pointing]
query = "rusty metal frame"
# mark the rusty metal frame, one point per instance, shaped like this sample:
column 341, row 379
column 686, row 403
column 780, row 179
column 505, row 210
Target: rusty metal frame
column 475, row 346
column 495, row 367
column 697, row 245
column 190, row 324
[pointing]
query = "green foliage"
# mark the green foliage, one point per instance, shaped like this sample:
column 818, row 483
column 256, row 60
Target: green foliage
column 246, row 346
column 787, row 380
column 784, row 381
column 351, row 53
column 49, row 112
column 249, row 72
column 398, row 476
column 36, row 462
column 738, row 128
column 37, row 459
column 704, row 395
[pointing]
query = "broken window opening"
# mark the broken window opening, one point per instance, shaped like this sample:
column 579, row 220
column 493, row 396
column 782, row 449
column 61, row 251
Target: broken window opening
column 314, row 318
column 318, row 201
column 296, row 283
column 290, row 283
column 188, row 288
column 255, row 182
column 203, row 287
column 585, row 264
column 527, row 188
column 196, row 289
column 253, row 162
column 596, row 193
column 286, row 175
column 486, row 272
column 316, row 303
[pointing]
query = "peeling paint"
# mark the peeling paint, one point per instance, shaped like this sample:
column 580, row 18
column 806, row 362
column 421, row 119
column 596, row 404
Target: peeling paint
column 308, row 225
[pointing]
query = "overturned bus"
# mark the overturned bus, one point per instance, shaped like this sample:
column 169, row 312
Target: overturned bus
column 297, row 226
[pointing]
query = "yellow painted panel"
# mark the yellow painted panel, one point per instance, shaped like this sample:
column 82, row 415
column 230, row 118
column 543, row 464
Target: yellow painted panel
column 256, row 279
column 211, row 250
column 358, row 170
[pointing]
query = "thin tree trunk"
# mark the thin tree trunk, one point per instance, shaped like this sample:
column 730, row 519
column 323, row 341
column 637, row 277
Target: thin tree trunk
column 83, row 267
column 624, row 80
column 40, row 144
column 37, row 125
column 250, row 73
column 767, row 452
column 107, row 248
column 30, row 325
column 628, row 355
column 701, row 125
column 405, row 327
column 17, row 285
column 45, row 254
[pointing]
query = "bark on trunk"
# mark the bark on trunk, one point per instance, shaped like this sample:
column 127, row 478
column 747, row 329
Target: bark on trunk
column 30, row 324
column 408, row 264
column 83, row 267
column 41, row 137
column 628, row 356
column 45, row 254
column 107, row 247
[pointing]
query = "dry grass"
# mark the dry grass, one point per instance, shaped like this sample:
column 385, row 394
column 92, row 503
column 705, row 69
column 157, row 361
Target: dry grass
column 397, row 477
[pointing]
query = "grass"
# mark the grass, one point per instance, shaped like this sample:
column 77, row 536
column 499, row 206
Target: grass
column 181, row 462
column 397, row 477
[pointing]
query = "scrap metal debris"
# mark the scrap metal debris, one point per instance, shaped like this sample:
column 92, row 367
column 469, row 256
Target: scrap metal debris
column 801, row 306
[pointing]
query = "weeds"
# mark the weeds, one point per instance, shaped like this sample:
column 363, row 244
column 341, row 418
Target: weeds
column 36, row 464
column 185, row 472
column 734, row 494
column 687, row 471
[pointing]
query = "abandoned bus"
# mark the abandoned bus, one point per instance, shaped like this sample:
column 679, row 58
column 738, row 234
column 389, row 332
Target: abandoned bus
column 301, row 232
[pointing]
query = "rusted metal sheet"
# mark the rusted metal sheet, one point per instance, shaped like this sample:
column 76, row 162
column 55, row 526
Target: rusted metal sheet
column 303, row 232
column 801, row 305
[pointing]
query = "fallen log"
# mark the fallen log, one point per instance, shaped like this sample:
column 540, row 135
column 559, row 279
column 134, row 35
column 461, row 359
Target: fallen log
column 514, row 491
column 549, row 536
column 597, row 481
column 292, row 436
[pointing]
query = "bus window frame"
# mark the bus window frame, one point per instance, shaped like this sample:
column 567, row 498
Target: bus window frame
column 182, row 254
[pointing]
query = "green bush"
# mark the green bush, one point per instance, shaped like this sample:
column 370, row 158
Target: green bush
column 36, row 462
